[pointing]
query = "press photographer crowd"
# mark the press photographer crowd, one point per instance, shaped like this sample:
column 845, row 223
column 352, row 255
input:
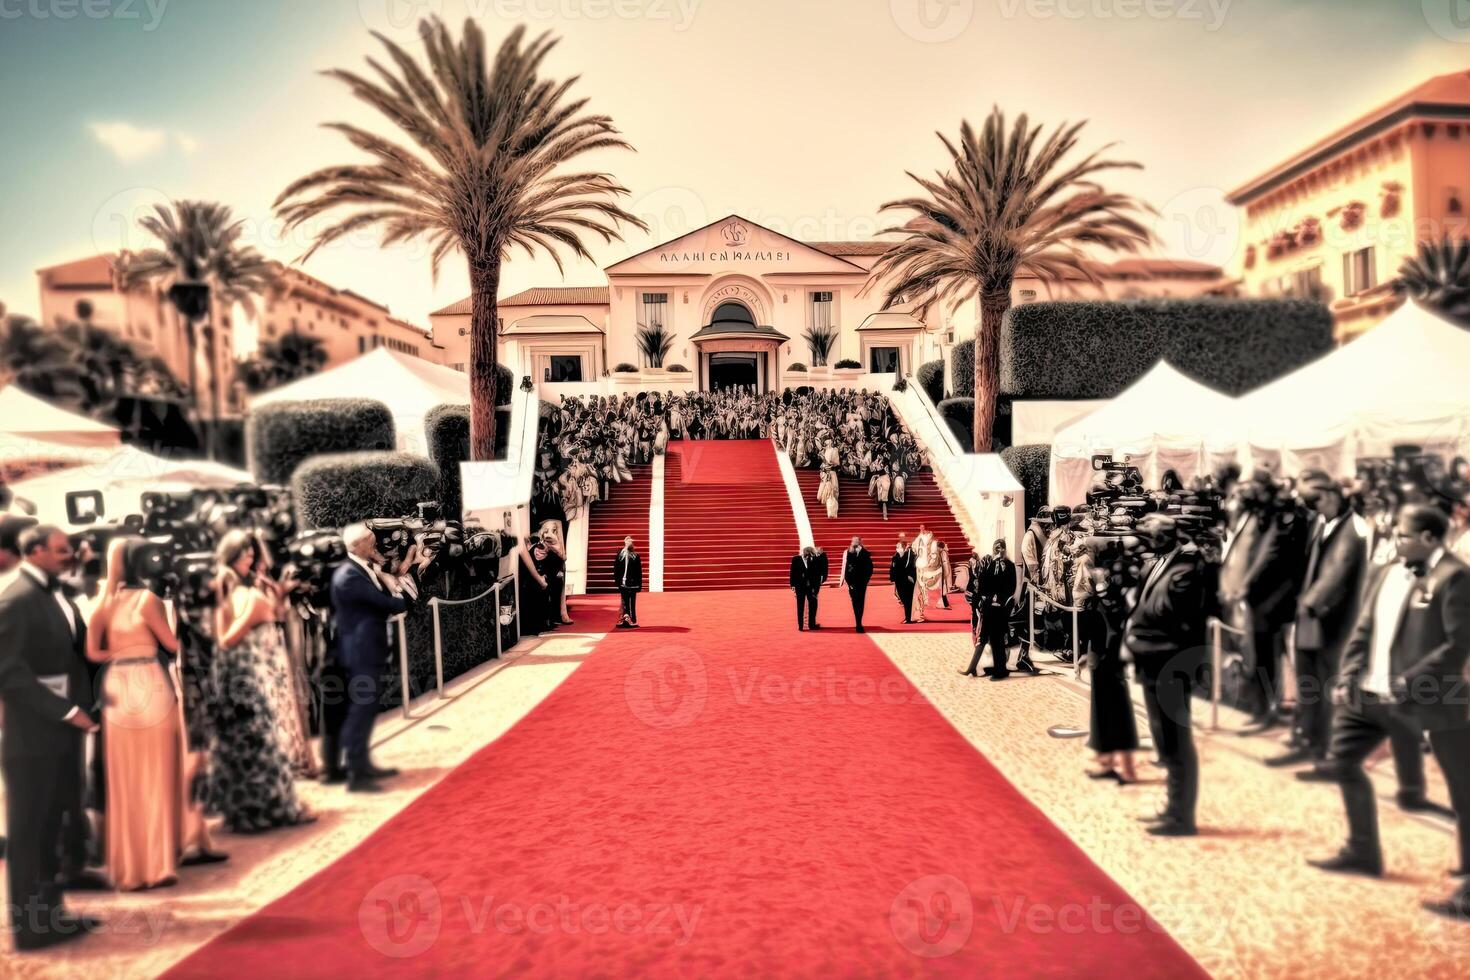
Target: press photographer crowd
column 1344, row 609
column 217, row 639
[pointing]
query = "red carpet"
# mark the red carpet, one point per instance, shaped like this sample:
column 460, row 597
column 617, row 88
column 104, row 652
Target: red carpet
column 714, row 794
column 727, row 517
column 624, row 512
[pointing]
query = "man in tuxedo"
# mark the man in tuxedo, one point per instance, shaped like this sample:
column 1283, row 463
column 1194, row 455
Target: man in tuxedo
column 857, row 572
column 1166, row 638
column 628, row 575
column 903, row 572
column 1262, row 570
column 998, row 592
column 824, row 571
column 1337, row 559
column 45, row 693
column 806, row 583
column 364, row 596
column 1406, row 660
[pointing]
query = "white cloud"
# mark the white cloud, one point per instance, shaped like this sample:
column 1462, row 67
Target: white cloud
column 186, row 143
column 128, row 142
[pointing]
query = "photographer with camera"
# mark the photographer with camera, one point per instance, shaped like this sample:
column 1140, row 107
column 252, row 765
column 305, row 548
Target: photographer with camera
column 1260, row 579
column 364, row 597
column 1166, row 639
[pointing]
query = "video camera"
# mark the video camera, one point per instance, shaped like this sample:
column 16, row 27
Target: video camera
column 460, row 552
column 1411, row 475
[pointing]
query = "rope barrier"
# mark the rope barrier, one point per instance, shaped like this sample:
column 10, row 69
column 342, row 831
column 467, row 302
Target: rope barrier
column 1035, row 593
column 434, row 605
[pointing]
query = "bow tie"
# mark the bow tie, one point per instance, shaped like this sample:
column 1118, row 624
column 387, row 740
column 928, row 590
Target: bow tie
column 1418, row 568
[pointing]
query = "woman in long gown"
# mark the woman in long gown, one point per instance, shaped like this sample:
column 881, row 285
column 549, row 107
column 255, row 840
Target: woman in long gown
column 1113, row 732
column 878, row 489
column 286, row 679
column 144, row 737
column 828, row 490
column 252, row 784
column 928, row 569
column 551, row 536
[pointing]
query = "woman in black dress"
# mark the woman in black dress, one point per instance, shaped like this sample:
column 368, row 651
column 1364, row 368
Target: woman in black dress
column 1114, row 731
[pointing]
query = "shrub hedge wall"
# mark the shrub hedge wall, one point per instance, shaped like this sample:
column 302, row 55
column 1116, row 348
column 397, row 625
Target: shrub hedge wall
column 1096, row 349
column 931, row 379
column 280, row 436
column 960, row 414
column 1031, row 465
column 340, row 488
column 962, row 369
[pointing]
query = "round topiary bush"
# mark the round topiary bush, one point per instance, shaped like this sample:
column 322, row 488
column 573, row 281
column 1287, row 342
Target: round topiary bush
column 678, row 369
column 960, row 414
column 279, row 437
column 847, row 363
column 334, row 490
column 625, row 368
column 962, row 369
column 797, row 366
column 505, row 384
column 447, row 436
column 931, row 379
column 1031, row 465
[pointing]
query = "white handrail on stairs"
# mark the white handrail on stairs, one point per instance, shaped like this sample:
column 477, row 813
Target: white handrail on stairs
column 656, row 524
column 793, row 492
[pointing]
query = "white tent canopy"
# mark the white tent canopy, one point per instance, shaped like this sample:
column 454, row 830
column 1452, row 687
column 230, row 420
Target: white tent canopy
column 1405, row 381
column 1165, row 420
column 410, row 386
column 122, row 478
column 24, row 416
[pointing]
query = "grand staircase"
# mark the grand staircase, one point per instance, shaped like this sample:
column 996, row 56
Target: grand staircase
column 857, row 514
column 727, row 517
column 625, row 512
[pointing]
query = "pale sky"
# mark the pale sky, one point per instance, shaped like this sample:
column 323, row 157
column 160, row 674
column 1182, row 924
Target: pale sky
column 802, row 116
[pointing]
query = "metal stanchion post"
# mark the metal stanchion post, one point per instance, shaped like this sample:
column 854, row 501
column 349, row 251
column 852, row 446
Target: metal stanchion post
column 1076, row 646
column 1216, row 660
column 403, row 662
column 438, row 646
column 497, row 619
column 1030, row 617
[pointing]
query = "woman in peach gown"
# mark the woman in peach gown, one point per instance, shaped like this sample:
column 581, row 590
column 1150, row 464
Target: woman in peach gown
column 143, row 728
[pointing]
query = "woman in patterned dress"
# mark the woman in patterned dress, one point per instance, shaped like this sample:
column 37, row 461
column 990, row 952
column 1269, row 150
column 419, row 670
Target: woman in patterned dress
column 252, row 774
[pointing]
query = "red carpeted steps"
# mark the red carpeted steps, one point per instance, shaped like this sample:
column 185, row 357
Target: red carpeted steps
column 727, row 517
column 858, row 514
column 624, row 512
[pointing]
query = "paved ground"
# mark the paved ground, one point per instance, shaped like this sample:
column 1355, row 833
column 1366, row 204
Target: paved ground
column 1239, row 897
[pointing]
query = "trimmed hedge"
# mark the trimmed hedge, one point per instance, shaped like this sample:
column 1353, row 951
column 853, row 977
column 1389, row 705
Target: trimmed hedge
column 846, row 363
column 447, row 438
column 505, row 383
column 931, row 379
column 960, row 414
column 796, row 366
column 331, row 491
column 625, row 368
column 1096, row 349
column 1031, row 465
column 282, row 435
column 962, row 369
column 678, row 369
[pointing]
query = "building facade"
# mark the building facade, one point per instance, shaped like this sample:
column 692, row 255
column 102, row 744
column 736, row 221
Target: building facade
column 741, row 305
column 1336, row 220
column 346, row 324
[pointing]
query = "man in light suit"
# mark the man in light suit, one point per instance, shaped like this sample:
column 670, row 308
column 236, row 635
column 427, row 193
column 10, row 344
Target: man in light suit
column 364, row 597
column 1405, row 662
column 1337, row 560
column 46, row 697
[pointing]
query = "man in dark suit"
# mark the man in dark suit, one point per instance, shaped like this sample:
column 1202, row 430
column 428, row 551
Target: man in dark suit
column 364, row 597
column 824, row 571
column 805, row 583
column 857, row 572
column 628, row 575
column 1262, row 568
column 1337, row 558
column 903, row 572
column 45, row 691
column 1166, row 639
column 998, row 592
column 1406, row 660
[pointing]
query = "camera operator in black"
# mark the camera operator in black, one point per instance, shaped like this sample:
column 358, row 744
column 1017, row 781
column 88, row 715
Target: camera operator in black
column 1263, row 566
column 1165, row 635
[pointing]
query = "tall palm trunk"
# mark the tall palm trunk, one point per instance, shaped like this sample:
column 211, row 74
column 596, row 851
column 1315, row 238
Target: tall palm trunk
column 484, row 287
column 993, row 306
column 210, row 353
column 191, row 345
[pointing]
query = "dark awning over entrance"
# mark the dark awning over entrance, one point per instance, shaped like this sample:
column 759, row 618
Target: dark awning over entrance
column 725, row 329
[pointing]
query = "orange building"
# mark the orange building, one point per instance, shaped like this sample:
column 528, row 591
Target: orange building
column 1336, row 220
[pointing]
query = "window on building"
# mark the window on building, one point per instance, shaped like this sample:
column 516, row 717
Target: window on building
column 361, row 345
column 1305, row 284
column 1453, row 204
column 821, row 317
column 1028, row 295
column 459, row 366
column 653, row 310
column 1358, row 271
column 564, row 367
column 883, row 360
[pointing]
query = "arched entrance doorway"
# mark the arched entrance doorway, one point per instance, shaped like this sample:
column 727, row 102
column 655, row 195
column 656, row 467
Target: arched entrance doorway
column 735, row 350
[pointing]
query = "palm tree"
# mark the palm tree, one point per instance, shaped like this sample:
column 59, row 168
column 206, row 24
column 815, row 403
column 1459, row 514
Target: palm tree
column 1005, row 206
column 480, row 172
column 39, row 360
column 1439, row 277
column 655, row 342
column 282, row 361
column 207, row 270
